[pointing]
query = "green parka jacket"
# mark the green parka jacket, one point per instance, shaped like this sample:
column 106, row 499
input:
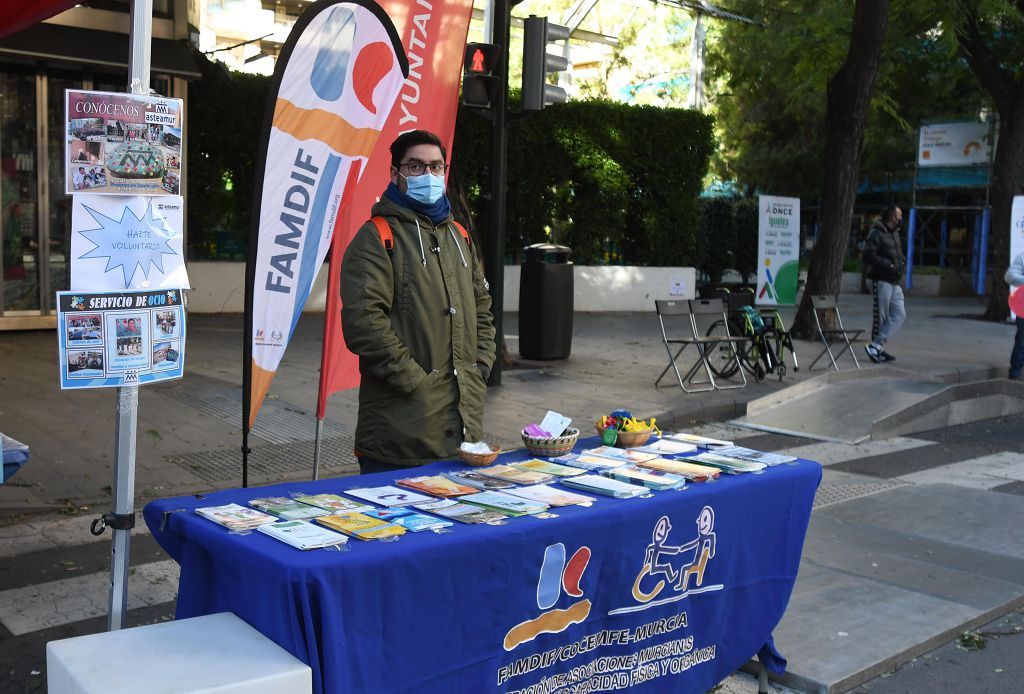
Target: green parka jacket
column 420, row 322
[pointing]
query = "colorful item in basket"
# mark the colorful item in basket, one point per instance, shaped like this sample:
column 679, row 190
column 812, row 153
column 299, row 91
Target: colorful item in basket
column 732, row 466
column 235, row 517
column 410, row 520
column 332, row 503
column 388, row 496
column 597, row 484
column 473, row 478
column 589, row 462
column 289, row 509
column 769, row 459
column 620, row 420
column 463, row 513
column 513, row 474
column 547, row 468
column 302, row 535
column 505, row 503
column 551, row 496
column 361, row 526
column 621, row 454
column 660, row 447
column 652, row 479
column 698, row 441
column 691, row 471
column 436, row 485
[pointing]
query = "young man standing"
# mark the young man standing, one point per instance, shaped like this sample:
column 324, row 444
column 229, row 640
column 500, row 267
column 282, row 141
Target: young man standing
column 416, row 310
column 884, row 265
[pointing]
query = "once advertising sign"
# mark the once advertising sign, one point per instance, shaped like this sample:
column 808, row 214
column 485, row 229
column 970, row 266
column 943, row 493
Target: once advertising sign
column 113, row 339
column 122, row 143
column 954, row 144
column 778, row 250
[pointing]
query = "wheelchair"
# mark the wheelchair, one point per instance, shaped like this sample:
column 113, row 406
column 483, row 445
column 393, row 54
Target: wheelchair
column 767, row 338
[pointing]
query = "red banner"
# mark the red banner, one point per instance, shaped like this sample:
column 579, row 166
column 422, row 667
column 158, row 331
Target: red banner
column 434, row 37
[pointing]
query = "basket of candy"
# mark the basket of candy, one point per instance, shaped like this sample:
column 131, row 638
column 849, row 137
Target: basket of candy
column 622, row 429
column 550, row 446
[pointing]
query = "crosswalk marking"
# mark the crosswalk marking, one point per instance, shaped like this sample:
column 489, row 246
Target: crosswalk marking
column 829, row 453
column 985, row 472
column 55, row 603
column 35, row 536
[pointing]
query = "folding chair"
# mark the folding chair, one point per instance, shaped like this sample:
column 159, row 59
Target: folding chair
column 825, row 310
column 686, row 313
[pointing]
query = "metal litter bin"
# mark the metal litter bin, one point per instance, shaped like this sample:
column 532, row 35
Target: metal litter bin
column 546, row 302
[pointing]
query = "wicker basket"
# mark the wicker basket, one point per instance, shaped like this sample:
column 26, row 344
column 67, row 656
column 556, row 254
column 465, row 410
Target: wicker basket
column 480, row 459
column 628, row 439
column 550, row 447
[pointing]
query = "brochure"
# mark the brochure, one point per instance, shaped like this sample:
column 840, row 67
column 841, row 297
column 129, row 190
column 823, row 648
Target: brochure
column 546, row 468
column 410, row 520
column 622, row 454
column 661, row 447
column 589, row 462
column 698, row 441
column 388, row 496
column 653, row 479
column 333, row 503
column 302, row 535
column 605, row 486
column 551, row 496
column 691, row 471
column 472, row 478
column 505, row 503
column 289, row 509
column 513, row 474
column 436, row 485
column 727, row 464
column 361, row 526
column 769, row 459
column 235, row 517
column 464, row 513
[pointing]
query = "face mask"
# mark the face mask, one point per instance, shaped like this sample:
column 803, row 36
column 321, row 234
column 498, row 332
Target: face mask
column 426, row 188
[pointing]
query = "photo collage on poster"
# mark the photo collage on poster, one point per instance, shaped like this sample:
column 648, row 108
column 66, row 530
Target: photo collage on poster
column 123, row 144
column 115, row 339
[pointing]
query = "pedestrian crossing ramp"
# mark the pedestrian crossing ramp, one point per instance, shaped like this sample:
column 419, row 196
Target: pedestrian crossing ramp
column 879, row 403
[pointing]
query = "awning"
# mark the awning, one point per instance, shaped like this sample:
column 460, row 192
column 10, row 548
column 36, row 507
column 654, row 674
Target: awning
column 16, row 15
column 98, row 48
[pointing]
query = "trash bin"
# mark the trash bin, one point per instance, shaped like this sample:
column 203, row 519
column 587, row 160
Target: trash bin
column 545, row 302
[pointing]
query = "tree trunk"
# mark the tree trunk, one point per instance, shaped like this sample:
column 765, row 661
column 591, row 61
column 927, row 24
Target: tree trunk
column 1008, row 166
column 849, row 97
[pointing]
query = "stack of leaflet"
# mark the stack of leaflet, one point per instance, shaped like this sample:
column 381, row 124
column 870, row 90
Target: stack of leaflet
column 705, row 442
column 463, row 513
column 289, row 509
column 546, row 468
column 361, row 526
column 388, row 496
column 477, row 480
column 652, row 479
column 302, row 535
column 769, row 459
column 508, row 473
column 333, row 503
column 732, row 466
column 660, row 447
column 691, row 471
column 410, row 520
column 550, row 496
column 235, row 517
column 586, row 461
column 505, row 503
column 436, row 485
column 605, row 486
column 623, row 455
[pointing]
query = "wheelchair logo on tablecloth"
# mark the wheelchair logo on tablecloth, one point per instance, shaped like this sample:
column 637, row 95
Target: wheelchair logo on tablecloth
column 556, row 576
column 661, row 568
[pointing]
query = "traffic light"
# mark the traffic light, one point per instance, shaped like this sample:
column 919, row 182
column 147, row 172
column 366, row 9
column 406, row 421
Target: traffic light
column 537, row 63
column 480, row 74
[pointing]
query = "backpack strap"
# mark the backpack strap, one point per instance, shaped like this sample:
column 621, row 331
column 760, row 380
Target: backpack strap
column 384, row 230
column 465, row 234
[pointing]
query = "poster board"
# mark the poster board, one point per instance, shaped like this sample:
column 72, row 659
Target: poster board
column 122, row 144
column 954, row 144
column 778, row 250
column 1016, row 238
column 114, row 339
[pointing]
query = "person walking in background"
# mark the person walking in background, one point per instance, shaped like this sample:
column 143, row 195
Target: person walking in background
column 884, row 264
column 1015, row 278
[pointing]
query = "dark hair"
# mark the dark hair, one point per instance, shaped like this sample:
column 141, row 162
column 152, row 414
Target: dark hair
column 889, row 213
column 406, row 141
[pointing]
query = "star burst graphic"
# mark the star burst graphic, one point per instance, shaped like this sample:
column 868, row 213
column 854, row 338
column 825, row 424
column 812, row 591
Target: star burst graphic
column 131, row 243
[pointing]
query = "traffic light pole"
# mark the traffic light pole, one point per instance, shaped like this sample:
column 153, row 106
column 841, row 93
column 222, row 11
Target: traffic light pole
column 494, row 242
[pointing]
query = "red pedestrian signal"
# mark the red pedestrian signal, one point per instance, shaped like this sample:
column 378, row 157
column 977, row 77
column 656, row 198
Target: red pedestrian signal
column 480, row 74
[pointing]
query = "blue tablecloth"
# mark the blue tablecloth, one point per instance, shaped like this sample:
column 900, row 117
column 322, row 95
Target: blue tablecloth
column 668, row 593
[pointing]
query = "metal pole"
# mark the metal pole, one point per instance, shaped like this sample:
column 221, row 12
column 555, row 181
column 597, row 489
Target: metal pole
column 316, row 448
column 697, row 65
column 494, row 243
column 128, row 396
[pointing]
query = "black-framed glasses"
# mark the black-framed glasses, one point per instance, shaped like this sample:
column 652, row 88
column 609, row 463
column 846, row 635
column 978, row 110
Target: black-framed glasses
column 418, row 168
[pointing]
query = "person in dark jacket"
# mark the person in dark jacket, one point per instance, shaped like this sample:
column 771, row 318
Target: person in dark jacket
column 884, row 264
column 418, row 315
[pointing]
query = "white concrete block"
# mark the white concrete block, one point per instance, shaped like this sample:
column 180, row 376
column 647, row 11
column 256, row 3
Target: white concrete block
column 216, row 653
